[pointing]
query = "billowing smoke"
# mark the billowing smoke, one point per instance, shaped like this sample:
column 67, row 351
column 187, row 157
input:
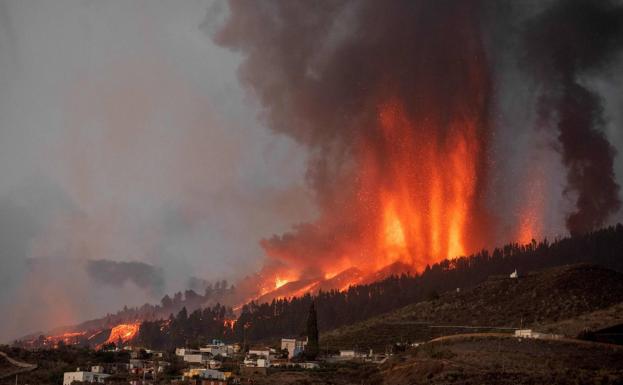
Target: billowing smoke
column 566, row 43
column 394, row 107
column 398, row 106
column 116, row 273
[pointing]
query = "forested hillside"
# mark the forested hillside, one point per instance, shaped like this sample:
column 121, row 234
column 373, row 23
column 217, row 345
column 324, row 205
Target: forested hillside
column 286, row 317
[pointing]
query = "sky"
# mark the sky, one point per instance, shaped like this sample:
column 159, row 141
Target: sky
column 126, row 136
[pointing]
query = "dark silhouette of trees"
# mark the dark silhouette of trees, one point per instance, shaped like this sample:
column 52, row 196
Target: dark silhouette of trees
column 312, row 348
column 289, row 316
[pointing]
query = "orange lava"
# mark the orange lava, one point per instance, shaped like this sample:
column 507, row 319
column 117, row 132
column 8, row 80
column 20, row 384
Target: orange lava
column 427, row 188
column 230, row 323
column 123, row 332
column 530, row 224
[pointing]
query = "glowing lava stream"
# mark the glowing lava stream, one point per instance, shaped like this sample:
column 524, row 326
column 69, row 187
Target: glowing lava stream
column 123, row 332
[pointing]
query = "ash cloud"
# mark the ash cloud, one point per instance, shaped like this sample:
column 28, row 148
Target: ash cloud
column 567, row 43
column 117, row 273
column 321, row 71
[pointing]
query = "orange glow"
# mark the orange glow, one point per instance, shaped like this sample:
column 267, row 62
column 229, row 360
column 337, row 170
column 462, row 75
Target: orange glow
column 280, row 282
column 229, row 323
column 428, row 195
column 123, row 332
column 530, row 216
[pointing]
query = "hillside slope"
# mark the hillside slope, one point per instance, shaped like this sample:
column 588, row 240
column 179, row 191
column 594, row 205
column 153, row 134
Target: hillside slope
column 534, row 300
column 499, row 360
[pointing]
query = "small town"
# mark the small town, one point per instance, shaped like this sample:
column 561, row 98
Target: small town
column 218, row 363
column 214, row 364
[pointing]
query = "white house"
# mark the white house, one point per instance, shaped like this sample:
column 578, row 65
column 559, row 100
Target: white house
column 528, row 333
column 218, row 349
column 260, row 352
column 195, row 358
column 293, row 346
column 184, row 351
column 205, row 373
column 514, row 274
column 347, row 353
column 82, row 376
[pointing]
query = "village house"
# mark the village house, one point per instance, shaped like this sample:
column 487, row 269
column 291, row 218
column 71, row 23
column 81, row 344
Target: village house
column 217, row 347
column 261, row 351
column 137, row 366
column 293, row 346
column 528, row 333
column 204, row 373
column 84, row 376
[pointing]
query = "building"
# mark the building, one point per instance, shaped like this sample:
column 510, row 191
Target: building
column 83, row 376
column 137, row 366
column 514, row 274
column 347, row 353
column 528, row 333
column 217, row 347
column 196, row 358
column 260, row 352
column 184, row 351
column 293, row 346
column 204, row 373
column 260, row 362
column 213, row 364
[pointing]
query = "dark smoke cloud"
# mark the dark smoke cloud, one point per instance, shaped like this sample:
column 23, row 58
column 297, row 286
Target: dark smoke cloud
column 116, row 273
column 567, row 42
column 322, row 69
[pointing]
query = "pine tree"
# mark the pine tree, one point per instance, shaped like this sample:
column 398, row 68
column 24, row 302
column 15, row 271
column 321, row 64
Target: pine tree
column 312, row 347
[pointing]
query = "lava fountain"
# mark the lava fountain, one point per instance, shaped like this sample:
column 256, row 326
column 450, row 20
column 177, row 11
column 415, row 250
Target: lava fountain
column 394, row 108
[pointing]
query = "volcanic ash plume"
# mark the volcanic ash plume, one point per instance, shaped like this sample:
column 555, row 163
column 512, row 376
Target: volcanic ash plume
column 393, row 105
column 569, row 41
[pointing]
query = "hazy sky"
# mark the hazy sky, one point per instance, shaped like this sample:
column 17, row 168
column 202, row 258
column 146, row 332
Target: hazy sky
column 125, row 135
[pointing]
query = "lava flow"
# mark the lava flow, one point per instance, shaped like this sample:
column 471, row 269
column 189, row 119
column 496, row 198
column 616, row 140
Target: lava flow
column 123, row 333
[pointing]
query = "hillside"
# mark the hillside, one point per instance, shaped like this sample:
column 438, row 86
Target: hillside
column 534, row 300
column 338, row 308
column 46, row 366
column 473, row 359
column 506, row 360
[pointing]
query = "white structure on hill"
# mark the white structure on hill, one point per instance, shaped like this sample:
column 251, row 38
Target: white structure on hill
column 293, row 346
column 528, row 333
column 83, row 376
column 514, row 274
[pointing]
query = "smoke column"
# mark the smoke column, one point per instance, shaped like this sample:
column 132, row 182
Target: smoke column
column 394, row 107
column 570, row 40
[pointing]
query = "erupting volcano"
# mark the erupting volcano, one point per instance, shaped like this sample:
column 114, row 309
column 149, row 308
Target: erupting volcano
column 395, row 111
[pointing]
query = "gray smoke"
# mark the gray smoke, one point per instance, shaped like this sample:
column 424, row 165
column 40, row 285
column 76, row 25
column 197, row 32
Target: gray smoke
column 572, row 40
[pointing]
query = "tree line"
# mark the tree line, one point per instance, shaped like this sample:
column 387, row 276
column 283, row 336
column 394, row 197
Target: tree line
column 288, row 317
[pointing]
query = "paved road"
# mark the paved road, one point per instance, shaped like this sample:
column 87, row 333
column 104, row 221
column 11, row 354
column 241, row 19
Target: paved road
column 23, row 366
column 507, row 335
